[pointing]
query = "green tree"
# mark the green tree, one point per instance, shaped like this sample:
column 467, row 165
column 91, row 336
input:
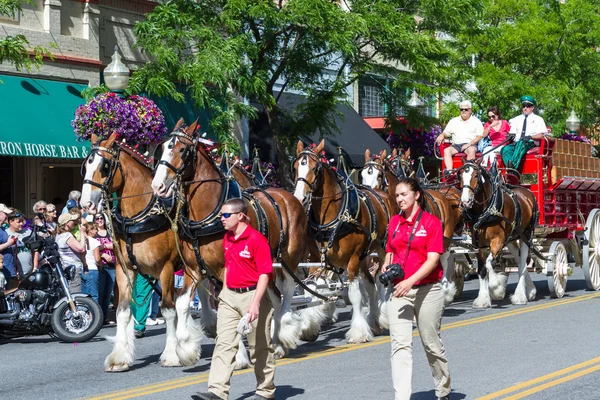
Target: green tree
column 225, row 50
column 16, row 50
column 545, row 48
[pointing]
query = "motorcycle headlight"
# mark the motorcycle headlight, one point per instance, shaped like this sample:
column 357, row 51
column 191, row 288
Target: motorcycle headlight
column 70, row 272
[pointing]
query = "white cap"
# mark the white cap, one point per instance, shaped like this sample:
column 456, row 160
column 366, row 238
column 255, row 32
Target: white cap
column 5, row 209
column 465, row 104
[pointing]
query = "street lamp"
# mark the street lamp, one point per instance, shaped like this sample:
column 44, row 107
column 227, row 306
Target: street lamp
column 116, row 74
column 573, row 123
column 415, row 101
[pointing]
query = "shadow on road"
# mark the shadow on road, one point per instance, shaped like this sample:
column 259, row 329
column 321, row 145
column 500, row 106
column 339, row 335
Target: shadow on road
column 431, row 395
column 282, row 392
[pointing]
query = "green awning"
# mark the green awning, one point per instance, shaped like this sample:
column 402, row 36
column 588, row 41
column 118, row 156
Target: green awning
column 36, row 117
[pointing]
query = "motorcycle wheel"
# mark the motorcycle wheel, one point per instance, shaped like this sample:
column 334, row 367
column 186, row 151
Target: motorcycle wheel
column 80, row 326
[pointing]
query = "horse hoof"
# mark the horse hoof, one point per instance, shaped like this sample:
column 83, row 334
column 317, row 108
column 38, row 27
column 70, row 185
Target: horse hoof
column 116, row 368
column 309, row 337
column 170, row 363
column 481, row 306
column 279, row 353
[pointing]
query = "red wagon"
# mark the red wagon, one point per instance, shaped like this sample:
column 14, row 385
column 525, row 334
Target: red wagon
column 565, row 179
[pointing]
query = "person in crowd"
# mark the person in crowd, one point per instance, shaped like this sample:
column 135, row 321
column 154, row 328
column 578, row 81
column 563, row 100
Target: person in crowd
column 71, row 250
column 50, row 217
column 39, row 207
column 495, row 129
column 7, row 250
column 526, row 127
column 464, row 132
column 248, row 269
column 73, row 195
column 25, row 261
column 4, row 279
column 415, row 243
column 153, row 317
column 108, row 273
column 140, row 304
column 91, row 276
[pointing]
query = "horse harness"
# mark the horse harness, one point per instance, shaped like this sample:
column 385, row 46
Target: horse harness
column 347, row 218
column 152, row 218
column 495, row 207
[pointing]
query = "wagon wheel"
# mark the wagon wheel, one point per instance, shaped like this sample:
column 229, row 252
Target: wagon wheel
column 591, row 250
column 558, row 269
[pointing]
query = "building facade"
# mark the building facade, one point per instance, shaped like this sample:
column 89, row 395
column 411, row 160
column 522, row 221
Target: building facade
column 40, row 158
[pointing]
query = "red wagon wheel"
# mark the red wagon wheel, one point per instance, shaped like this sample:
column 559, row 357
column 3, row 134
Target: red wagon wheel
column 591, row 250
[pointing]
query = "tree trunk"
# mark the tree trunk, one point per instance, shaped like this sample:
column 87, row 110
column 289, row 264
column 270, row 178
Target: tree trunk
column 282, row 148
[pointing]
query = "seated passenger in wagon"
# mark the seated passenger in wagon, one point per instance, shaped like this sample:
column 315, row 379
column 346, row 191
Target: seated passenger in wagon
column 527, row 127
column 464, row 132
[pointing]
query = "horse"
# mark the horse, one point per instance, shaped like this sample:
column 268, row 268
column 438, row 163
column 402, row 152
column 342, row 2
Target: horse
column 274, row 212
column 113, row 167
column 499, row 215
column 442, row 202
column 345, row 225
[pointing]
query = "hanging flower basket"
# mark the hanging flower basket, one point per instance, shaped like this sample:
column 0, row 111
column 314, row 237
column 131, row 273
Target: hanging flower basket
column 136, row 119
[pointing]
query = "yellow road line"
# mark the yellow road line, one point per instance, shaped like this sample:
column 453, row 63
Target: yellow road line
column 524, row 385
column 201, row 378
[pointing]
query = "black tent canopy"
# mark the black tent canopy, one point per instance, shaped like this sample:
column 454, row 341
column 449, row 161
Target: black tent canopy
column 354, row 137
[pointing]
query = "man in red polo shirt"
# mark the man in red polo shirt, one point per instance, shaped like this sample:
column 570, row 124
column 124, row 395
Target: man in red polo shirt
column 248, row 269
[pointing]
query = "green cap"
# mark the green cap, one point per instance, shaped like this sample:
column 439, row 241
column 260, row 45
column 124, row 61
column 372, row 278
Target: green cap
column 528, row 99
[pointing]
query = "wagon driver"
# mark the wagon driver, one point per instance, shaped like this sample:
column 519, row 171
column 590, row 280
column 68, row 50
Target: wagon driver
column 248, row 269
column 464, row 132
column 527, row 127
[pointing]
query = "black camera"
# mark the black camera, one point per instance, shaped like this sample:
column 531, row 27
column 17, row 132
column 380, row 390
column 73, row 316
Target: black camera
column 394, row 271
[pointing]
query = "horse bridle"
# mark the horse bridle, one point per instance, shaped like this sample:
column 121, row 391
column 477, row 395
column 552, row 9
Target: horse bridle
column 108, row 167
column 185, row 156
column 478, row 169
column 378, row 165
column 305, row 155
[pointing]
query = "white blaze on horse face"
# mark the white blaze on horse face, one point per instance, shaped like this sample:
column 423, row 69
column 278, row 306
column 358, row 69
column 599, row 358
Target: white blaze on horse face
column 370, row 176
column 161, row 184
column 91, row 165
column 301, row 187
column 466, row 197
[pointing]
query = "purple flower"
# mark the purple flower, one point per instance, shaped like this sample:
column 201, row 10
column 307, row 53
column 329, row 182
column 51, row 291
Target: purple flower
column 421, row 143
column 136, row 119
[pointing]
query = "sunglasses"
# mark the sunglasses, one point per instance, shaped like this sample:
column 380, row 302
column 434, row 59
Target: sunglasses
column 99, row 218
column 492, row 116
column 464, row 109
column 227, row 215
column 41, row 210
column 527, row 105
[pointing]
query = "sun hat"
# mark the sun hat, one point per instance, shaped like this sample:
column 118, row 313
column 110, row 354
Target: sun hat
column 66, row 217
column 528, row 99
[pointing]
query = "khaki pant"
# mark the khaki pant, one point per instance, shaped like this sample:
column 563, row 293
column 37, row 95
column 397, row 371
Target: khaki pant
column 427, row 304
column 232, row 307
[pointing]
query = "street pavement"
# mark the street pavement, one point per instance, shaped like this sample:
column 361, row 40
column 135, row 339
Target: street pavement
column 544, row 350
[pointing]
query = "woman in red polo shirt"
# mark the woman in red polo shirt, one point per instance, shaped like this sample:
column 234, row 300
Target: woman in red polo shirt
column 419, row 293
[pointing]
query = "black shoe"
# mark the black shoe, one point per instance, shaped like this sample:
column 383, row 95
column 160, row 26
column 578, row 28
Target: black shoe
column 205, row 396
column 139, row 334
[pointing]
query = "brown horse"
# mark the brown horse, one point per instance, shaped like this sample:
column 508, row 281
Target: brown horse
column 443, row 202
column 183, row 159
column 499, row 216
column 347, row 224
column 113, row 167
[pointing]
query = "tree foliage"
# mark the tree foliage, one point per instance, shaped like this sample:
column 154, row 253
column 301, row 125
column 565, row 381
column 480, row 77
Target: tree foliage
column 15, row 49
column 545, row 48
column 233, row 49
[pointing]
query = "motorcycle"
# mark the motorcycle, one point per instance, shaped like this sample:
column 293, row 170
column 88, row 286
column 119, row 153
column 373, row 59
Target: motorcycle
column 42, row 303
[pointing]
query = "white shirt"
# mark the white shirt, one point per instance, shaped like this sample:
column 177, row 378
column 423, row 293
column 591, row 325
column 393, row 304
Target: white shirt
column 535, row 125
column 67, row 255
column 89, row 254
column 462, row 131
